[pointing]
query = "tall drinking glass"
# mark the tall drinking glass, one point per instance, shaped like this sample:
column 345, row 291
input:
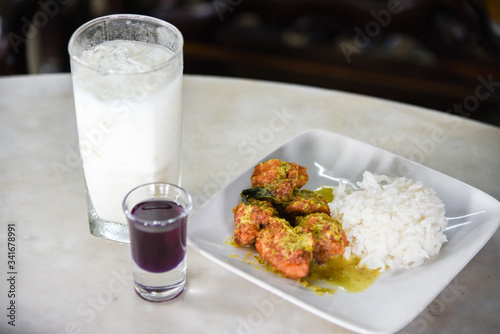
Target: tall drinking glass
column 127, row 84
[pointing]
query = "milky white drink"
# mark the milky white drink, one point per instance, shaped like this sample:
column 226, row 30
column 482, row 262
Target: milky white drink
column 128, row 109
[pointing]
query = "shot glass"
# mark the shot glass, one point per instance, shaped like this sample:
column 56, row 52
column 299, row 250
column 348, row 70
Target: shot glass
column 157, row 215
column 127, row 84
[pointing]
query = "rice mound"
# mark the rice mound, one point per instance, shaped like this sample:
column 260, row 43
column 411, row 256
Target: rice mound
column 391, row 223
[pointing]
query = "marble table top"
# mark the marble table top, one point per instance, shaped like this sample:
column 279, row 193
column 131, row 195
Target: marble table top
column 67, row 281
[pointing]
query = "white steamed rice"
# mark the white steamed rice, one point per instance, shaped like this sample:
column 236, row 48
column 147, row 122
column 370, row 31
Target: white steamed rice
column 391, row 223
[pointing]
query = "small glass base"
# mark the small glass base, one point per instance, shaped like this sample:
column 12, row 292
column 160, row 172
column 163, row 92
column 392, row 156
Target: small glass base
column 160, row 294
column 160, row 287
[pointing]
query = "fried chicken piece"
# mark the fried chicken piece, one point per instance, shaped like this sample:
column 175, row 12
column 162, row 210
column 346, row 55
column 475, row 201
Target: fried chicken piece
column 329, row 237
column 287, row 251
column 305, row 202
column 279, row 177
column 249, row 219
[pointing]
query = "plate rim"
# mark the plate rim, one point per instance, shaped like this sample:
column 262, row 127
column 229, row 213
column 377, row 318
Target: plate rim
column 304, row 305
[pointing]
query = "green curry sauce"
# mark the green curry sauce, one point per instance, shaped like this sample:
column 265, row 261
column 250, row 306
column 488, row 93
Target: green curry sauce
column 339, row 273
column 326, row 192
column 336, row 274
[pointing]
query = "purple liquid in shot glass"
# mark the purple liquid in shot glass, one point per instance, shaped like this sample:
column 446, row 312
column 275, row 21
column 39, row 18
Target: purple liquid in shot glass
column 158, row 249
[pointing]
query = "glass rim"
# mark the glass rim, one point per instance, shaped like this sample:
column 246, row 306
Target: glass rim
column 148, row 222
column 115, row 17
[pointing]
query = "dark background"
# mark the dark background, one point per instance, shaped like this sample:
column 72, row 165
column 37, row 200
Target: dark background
column 440, row 54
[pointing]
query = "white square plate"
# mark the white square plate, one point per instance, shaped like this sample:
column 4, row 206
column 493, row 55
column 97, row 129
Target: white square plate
column 395, row 298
